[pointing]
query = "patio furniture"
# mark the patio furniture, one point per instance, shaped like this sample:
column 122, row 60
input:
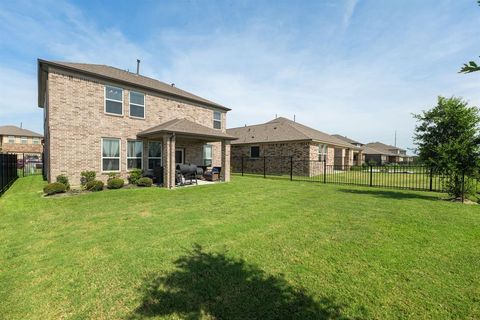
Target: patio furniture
column 213, row 175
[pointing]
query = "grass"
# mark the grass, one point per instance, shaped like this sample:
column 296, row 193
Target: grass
column 253, row 248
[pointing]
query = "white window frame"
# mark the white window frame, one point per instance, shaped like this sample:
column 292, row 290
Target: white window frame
column 322, row 152
column 35, row 140
column 24, row 139
column 105, row 101
column 211, row 154
column 136, row 104
column 10, row 138
column 141, row 157
column 154, row 158
column 119, row 155
column 217, row 120
column 258, row 152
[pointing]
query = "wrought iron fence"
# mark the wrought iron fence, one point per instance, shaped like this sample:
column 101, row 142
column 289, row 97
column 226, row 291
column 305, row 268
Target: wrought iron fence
column 394, row 176
column 30, row 164
column 8, row 171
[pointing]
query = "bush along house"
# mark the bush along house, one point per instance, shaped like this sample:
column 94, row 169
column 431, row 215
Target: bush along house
column 103, row 119
column 282, row 139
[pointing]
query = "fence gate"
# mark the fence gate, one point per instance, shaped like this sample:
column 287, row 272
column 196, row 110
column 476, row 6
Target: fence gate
column 30, row 164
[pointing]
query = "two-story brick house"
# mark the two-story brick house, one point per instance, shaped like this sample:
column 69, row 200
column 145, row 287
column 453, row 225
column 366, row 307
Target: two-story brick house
column 20, row 141
column 105, row 119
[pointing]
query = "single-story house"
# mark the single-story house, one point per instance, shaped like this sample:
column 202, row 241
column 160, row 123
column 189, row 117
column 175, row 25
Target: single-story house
column 280, row 139
column 381, row 153
column 103, row 119
column 21, row 141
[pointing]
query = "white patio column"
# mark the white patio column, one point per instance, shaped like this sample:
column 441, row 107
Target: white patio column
column 168, row 156
column 225, row 173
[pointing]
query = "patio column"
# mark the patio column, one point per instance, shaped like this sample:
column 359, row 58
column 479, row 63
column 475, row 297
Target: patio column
column 225, row 173
column 168, row 161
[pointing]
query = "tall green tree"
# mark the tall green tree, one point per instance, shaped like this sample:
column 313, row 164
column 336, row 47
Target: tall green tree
column 447, row 139
column 471, row 66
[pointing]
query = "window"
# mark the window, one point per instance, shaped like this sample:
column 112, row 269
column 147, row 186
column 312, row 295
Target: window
column 154, row 154
column 217, row 120
column 322, row 152
column 113, row 100
column 23, row 140
column 137, row 105
column 110, row 154
column 255, row 152
column 11, row 139
column 134, row 154
column 36, row 141
column 207, row 155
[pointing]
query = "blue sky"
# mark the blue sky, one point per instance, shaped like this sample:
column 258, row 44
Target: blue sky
column 355, row 67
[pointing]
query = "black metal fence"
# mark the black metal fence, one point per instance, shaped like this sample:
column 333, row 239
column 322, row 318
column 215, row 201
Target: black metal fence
column 8, row 171
column 394, row 176
column 30, row 164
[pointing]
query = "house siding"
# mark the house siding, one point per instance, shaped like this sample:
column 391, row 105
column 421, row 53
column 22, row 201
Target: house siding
column 75, row 124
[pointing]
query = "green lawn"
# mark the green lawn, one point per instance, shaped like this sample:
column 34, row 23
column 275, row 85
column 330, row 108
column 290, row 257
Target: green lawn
column 253, row 248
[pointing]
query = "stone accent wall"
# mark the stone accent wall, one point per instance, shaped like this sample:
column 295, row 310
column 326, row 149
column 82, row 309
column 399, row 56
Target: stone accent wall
column 77, row 123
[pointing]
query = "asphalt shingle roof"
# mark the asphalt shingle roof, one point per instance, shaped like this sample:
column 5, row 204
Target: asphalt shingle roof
column 16, row 131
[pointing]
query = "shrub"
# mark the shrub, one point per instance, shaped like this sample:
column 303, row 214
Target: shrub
column 86, row 177
column 134, row 176
column 94, row 185
column 144, row 182
column 113, row 175
column 63, row 180
column 115, row 183
column 53, row 188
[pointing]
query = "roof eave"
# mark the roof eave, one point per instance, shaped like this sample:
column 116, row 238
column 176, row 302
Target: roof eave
column 93, row 74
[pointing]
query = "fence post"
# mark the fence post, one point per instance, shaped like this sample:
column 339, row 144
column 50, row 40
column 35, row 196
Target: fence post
column 291, row 168
column 23, row 163
column 431, row 179
column 371, row 175
column 325, row 171
column 264, row 167
column 242, row 164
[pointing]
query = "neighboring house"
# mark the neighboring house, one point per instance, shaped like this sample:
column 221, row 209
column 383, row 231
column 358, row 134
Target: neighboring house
column 280, row 139
column 358, row 155
column 20, row 141
column 106, row 120
column 380, row 153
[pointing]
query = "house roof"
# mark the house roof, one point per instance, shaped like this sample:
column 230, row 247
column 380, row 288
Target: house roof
column 280, row 130
column 16, row 131
column 122, row 76
column 346, row 139
column 186, row 127
column 383, row 147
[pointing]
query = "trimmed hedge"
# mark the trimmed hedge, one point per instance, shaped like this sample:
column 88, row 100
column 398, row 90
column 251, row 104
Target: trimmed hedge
column 53, row 188
column 115, row 183
column 64, row 180
column 95, row 185
column 134, row 176
column 144, row 182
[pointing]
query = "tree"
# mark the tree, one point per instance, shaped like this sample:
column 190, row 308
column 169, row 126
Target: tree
column 471, row 66
column 448, row 140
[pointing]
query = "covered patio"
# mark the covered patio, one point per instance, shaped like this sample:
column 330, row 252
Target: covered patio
column 183, row 141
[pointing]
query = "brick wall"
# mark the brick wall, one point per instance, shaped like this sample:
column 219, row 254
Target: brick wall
column 77, row 122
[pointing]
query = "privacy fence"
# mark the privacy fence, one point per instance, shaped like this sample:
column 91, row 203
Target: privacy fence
column 414, row 177
column 8, row 171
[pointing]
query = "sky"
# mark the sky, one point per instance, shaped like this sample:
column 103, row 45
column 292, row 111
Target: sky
column 359, row 68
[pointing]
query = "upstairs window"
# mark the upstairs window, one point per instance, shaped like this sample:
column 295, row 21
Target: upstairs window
column 110, row 155
column 114, row 100
column 154, row 155
column 255, row 152
column 207, row 155
column 134, row 155
column 217, row 120
column 23, row 140
column 11, row 139
column 137, row 105
column 36, row 141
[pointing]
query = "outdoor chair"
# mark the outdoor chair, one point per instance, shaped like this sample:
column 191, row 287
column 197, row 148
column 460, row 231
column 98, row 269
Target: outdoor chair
column 213, row 175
